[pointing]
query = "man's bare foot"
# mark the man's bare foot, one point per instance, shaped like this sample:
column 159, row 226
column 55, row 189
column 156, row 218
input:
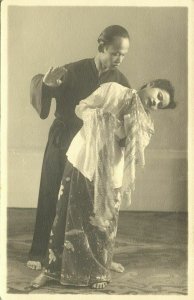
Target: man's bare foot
column 99, row 285
column 117, row 267
column 39, row 281
column 35, row 265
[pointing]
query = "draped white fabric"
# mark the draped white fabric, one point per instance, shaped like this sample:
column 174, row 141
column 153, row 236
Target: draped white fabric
column 111, row 113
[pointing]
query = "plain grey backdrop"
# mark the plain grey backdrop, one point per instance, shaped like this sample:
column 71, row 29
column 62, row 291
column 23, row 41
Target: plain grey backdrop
column 40, row 37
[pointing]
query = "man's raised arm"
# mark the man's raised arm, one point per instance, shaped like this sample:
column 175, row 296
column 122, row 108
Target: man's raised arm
column 45, row 87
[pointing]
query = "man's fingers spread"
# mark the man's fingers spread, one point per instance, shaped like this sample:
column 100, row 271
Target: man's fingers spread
column 56, row 73
column 62, row 70
column 58, row 70
column 60, row 73
column 50, row 70
column 55, row 69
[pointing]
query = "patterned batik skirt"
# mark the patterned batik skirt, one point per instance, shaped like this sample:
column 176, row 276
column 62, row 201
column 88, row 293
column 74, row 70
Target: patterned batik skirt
column 79, row 253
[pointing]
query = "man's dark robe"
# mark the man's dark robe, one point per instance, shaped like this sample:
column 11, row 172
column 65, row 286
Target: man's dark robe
column 80, row 81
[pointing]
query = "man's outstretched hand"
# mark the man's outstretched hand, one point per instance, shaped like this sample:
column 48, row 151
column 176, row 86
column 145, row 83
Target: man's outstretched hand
column 53, row 77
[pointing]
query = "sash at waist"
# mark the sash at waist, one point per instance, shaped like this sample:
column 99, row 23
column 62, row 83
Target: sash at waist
column 63, row 131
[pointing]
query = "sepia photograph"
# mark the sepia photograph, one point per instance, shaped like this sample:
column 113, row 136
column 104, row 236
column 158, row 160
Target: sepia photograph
column 95, row 142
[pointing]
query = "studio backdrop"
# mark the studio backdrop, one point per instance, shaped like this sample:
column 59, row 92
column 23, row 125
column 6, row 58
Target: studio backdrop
column 40, row 37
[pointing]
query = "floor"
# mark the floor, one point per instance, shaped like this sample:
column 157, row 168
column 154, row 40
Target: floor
column 152, row 246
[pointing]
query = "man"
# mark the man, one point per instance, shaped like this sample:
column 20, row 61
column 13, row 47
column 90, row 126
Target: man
column 68, row 85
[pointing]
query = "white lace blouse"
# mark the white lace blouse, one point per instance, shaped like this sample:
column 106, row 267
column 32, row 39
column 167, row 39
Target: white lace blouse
column 109, row 97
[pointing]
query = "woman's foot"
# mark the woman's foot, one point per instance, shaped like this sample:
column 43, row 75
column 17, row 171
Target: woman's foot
column 39, row 281
column 35, row 265
column 99, row 285
column 117, row 267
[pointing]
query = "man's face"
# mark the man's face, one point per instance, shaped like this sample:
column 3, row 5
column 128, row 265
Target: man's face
column 114, row 54
column 154, row 98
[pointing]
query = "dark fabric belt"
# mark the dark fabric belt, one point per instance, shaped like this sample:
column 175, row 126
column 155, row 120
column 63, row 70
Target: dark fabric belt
column 71, row 121
column 62, row 132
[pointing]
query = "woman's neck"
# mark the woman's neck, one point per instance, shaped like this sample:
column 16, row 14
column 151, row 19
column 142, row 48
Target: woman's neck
column 143, row 102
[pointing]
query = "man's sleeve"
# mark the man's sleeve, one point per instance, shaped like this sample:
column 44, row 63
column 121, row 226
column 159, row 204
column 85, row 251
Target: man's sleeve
column 41, row 95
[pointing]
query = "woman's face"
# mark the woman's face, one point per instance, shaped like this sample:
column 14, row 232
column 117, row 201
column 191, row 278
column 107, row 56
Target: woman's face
column 114, row 54
column 154, row 98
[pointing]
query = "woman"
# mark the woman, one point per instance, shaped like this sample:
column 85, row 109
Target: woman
column 100, row 171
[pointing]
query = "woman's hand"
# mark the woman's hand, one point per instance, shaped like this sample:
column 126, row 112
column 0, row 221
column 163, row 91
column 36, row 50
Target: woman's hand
column 125, row 109
column 53, row 77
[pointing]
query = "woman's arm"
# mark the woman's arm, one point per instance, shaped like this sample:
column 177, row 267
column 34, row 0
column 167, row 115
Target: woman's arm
column 120, row 131
column 92, row 103
column 123, row 112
